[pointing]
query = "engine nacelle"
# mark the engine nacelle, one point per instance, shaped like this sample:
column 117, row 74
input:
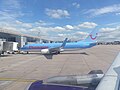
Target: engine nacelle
column 45, row 51
column 61, row 50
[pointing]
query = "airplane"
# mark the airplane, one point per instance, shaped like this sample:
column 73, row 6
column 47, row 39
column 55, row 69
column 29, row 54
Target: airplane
column 109, row 81
column 50, row 48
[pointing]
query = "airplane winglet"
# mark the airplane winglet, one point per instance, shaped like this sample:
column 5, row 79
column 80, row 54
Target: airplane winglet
column 64, row 42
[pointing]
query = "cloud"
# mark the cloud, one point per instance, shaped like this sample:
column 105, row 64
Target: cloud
column 70, row 36
column 43, row 23
column 10, row 9
column 9, row 16
column 66, row 28
column 58, row 28
column 10, row 4
column 24, row 25
column 113, row 24
column 63, row 35
column 47, row 30
column 77, row 5
column 58, row 13
column 118, row 13
column 60, row 32
column 81, row 33
column 89, row 25
column 69, row 27
column 107, row 29
column 109, row 34
column 105, row 10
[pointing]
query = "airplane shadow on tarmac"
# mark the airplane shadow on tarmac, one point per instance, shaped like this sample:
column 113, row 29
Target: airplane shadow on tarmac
column 50, row 56
column 84, row 53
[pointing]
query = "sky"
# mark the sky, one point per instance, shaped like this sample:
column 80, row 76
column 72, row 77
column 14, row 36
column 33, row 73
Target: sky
column 58, row 19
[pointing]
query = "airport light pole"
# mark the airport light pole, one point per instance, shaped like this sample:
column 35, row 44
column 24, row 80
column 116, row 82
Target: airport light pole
column 39, row 35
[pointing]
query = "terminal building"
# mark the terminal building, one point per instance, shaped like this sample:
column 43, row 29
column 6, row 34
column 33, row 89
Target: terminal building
column 22, row 39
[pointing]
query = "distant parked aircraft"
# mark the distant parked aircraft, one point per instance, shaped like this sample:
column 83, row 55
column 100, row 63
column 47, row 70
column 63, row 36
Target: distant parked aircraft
column 50, row 48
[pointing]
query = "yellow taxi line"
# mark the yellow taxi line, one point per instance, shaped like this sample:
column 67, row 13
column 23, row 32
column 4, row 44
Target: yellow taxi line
column 17, row 80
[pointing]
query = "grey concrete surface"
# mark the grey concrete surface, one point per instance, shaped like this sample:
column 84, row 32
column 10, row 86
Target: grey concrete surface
column 18, row 71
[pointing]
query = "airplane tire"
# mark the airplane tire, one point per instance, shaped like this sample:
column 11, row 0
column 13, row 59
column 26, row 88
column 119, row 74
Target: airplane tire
column 2, row 52
column 58, row 52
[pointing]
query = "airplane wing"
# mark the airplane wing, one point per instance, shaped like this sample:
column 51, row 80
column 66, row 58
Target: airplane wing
column 38, row 85
column 58, row 48
column 111, row 80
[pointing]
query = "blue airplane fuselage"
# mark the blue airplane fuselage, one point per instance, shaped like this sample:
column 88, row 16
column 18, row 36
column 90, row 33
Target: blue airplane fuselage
column 73, row 45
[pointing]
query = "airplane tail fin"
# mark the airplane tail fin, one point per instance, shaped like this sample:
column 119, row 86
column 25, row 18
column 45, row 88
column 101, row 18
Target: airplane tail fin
column 92, row 36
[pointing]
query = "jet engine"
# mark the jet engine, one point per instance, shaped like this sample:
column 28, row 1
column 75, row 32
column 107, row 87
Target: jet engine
column 45, row 51
column 61, row 50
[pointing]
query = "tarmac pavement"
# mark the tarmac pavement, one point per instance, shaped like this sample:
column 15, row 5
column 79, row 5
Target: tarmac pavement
column 18, row 71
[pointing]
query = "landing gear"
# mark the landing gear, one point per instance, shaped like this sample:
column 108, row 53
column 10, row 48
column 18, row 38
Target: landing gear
column 27, row 52
column 13, row 52
column 2, row 52
column 58, row 52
